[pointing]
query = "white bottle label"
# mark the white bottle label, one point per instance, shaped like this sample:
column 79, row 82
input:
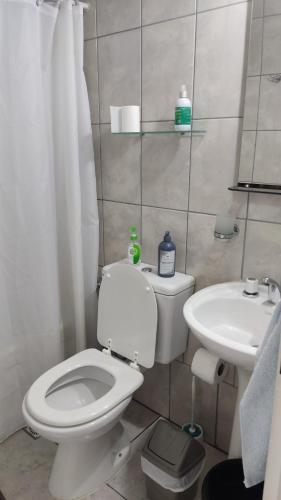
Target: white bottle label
column 167, row 262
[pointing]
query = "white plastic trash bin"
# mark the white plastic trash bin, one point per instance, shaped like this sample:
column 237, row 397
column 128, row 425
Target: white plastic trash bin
column 172, row 462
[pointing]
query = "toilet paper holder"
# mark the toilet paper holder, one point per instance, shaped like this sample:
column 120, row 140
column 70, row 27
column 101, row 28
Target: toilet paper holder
column 209, row 367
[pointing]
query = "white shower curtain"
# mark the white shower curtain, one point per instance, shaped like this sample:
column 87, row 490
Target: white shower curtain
column 48, row 207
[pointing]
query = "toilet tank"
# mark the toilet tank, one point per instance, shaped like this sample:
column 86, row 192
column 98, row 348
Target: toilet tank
column 171, row 295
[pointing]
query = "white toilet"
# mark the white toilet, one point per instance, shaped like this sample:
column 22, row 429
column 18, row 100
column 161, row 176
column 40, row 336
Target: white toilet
column 79, row 402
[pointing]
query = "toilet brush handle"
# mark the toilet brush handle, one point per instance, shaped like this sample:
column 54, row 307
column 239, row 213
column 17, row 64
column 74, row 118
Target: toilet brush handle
column 193, row 395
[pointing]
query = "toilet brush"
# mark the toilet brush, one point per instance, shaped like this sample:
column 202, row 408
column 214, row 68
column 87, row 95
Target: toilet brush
column 191, row 428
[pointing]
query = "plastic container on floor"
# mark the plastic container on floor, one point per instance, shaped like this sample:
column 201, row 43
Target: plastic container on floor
column 172, row 462
column 226, row 481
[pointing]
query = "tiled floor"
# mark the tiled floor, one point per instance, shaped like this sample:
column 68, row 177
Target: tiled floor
column 25, row 463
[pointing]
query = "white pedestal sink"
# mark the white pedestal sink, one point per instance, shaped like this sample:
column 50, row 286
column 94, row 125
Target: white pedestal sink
column 232, row 326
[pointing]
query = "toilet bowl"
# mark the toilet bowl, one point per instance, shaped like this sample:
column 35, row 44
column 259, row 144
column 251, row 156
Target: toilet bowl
column 79, row 403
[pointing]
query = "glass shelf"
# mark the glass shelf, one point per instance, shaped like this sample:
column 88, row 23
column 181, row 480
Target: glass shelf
column 252, row 187
column 162, row 132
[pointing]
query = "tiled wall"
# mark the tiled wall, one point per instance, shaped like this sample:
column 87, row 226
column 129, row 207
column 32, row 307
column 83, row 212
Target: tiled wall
column 140, row 52
column 261, row 138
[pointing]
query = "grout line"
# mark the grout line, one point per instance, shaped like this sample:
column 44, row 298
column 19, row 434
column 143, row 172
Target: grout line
column 244, row 239
column 96, row 17
column 171, row 120
column 258, row 114
column 148, row 408
column 148, row 206
column 148, row 426
column 223, row 6
column 115, row 491
column 191, row 137
column 266, row 15
column 262, row 130
column 114, row 33
column 250, row 219
column 239, row 218
column 162, row 21
column 264, row 74
column 100, row 151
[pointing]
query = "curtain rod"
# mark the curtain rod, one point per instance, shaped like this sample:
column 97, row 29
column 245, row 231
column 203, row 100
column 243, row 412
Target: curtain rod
column 57, row 3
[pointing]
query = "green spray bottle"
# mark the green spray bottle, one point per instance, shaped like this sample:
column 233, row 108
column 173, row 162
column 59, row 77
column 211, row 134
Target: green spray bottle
column 134, row 249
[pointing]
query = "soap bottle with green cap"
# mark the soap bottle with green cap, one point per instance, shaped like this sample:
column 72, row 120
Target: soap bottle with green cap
column 183, row 111
column 134, row 249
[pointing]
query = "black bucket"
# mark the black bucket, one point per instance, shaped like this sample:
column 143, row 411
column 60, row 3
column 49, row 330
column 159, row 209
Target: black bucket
column 225, row 481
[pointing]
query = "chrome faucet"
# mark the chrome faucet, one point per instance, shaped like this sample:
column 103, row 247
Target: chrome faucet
column 273, row 287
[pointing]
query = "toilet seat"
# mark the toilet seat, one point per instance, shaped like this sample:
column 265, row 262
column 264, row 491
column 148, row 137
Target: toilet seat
column 125, row 381
column 127, row 314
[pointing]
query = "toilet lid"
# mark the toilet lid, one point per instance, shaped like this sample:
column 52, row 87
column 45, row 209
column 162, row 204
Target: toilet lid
column 127, row 314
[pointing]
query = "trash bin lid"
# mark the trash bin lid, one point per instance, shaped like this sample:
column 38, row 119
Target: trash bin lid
column 172, row 450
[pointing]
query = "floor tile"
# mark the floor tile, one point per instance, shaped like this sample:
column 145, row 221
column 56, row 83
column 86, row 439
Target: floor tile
column 25, row 466
column 213, row 457
column 137, row 418
column 25, row 463
column 105, row 493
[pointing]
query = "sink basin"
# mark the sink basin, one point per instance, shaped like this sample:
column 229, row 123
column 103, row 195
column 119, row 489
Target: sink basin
column 232, row 326
column 228, row 323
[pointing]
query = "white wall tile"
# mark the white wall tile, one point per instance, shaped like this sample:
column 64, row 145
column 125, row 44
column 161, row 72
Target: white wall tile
column 262, row 250
column 159, row 10
column 120, row 160
column 101, row 253
column 258, row 6
column 226, row 407
column 271, row 60
column 251, row 103
column 270, row 102
column 119, row 71
column 267, row 168
column 113, row 16
column 265, row 207
column 90, row 20
column 214, row 159
column 220, row 62
column 272, row 7
column 255, row 47
column 91, row 73
column 204, row 252
column 118, row 217
column 165, row 171
column 154, row 393
column 155, row 221
column 214, row 4
column 247, row 156
column 206, row 400
column 167, row 62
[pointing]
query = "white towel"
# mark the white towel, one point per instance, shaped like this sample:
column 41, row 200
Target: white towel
column 257, row 404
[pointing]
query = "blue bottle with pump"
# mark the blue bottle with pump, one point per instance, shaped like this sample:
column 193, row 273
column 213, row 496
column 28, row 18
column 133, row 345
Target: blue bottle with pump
column 167, row 257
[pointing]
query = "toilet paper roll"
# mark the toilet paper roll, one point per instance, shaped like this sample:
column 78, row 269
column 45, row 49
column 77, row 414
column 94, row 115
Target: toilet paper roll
column 130, row 119
column 208, row 367
column 115, row 117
